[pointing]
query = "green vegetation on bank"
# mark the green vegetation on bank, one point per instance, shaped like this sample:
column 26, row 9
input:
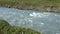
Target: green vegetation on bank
column 32, row 2
column 5, row 28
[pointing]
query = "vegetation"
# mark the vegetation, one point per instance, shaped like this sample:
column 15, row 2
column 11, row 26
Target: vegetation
column 33, row 2
column 5, row 28
column 46, row 5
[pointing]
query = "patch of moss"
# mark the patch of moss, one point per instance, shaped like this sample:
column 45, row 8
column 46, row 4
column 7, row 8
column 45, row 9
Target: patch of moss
column 5, row 28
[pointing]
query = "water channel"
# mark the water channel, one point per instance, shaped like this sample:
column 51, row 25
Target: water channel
column 46, row 22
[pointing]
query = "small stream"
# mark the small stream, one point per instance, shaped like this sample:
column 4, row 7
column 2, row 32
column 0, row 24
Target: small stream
column 46, row 22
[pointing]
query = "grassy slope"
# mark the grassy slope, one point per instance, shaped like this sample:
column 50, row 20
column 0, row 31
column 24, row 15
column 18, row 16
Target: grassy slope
column 5, row 28
column 33, row 2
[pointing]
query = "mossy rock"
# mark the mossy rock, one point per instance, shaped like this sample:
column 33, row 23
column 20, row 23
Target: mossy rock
column 5, row 28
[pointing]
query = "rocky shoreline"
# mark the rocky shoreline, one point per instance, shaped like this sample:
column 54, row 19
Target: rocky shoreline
column 35, row 7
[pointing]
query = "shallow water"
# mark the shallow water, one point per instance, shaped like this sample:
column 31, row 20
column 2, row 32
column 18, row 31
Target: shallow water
column 48, row 23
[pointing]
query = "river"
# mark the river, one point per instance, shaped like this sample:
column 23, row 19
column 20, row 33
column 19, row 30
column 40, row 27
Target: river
column 45, row 22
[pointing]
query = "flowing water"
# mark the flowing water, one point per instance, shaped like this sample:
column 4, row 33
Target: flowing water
column 48, row 23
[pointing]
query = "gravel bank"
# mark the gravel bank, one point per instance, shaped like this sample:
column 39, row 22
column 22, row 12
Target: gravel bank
column 35, row 7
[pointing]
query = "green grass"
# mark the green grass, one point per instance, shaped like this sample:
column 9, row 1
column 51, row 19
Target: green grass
column 32, row 2
column 5, row 28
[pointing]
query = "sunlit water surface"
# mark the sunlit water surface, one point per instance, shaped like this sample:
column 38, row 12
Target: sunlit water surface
column 48, row 23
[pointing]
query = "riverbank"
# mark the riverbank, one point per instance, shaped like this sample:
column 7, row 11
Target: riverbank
column 45, row 5
column 6, row 28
